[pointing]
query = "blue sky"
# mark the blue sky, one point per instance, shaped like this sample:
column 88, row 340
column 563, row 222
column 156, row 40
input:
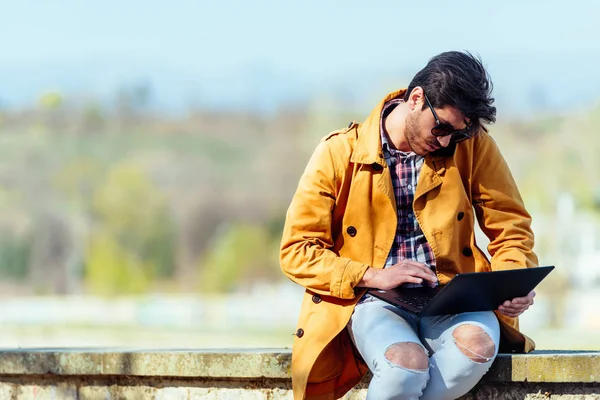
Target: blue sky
column 233, row 52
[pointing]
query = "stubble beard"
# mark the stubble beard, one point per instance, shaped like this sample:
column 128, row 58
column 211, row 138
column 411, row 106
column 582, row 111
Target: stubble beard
column 411, row 133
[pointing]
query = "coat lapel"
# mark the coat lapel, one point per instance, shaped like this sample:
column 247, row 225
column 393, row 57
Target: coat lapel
column 431, row 175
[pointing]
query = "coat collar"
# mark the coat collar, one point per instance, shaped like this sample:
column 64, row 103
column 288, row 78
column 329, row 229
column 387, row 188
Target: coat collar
column 368, row 145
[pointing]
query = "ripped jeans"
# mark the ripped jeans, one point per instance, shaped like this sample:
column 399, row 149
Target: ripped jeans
column 441, row 362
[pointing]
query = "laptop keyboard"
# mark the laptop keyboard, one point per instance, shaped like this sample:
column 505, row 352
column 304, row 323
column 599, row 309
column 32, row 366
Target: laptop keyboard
column 415, row 301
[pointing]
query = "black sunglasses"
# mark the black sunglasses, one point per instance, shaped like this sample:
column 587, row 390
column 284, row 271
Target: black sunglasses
column 444, row 129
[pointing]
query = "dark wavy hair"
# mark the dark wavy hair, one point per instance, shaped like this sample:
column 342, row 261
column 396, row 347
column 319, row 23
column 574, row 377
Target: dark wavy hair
column 458, row 79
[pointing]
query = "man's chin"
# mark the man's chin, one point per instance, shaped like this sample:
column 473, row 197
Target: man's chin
column 420, row 151
column 418, row 148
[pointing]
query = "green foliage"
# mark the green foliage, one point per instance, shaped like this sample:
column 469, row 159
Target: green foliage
column 50, row 100
column 113, row 269
column 15, row 254
column 78, row 156
column 93, row 119
column 551, row 155
column 241, row 254
column 134, row 240
column 78, row 178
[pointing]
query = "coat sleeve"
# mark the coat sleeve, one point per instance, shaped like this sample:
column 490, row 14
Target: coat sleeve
column 500, row 209
column 306, row 255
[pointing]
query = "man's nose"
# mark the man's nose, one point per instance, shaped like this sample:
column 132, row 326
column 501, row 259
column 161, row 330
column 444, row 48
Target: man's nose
column 444, row 140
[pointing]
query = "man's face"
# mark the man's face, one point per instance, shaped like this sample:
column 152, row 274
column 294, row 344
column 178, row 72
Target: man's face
column 420, row 121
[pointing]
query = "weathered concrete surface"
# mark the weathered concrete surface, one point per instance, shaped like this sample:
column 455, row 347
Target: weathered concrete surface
column 244, row 363
column 556, row 367
column 133, row 391
column 543, row 366
column 253, row 374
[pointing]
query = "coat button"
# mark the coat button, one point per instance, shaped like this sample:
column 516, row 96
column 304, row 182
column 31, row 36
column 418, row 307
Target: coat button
column 460, row 215
column 467, row 252
column 351, row 231
column 300, row 332
column 376, row 167
column 316, row 298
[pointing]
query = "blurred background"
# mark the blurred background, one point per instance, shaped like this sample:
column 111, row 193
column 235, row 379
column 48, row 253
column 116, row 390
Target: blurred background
column 149, row 150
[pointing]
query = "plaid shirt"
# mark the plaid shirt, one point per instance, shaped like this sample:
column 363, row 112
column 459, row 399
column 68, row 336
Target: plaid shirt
column 410, row 242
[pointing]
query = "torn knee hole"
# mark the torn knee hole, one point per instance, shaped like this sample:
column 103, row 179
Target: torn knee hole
column 408, row 355
column 474, row 342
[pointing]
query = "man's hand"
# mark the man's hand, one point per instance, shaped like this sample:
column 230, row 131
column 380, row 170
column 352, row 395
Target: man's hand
column 406, row 271
column 515, row 307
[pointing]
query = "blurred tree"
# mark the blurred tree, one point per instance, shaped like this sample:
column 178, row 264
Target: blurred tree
column 133, row 239
column 93, row 119
column 78, row 178
column 113, row 269
column 198, row 225
column 52, row 253
column 241, row 254
column 596, row 200
column 53, row 117
column 15, row 255
column 132, row 103
column 50, row 100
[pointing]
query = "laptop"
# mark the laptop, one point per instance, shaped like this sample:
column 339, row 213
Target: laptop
column 476, row 291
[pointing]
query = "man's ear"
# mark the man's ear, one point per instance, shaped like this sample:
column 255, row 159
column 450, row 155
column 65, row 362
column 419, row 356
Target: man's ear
column 416, row 97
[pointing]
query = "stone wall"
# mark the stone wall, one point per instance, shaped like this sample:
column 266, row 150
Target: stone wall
column 87, row 374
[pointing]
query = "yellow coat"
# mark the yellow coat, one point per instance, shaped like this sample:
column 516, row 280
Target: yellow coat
column 343, row 219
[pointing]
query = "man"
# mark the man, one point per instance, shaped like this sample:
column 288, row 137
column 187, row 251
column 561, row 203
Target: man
column 390, row 202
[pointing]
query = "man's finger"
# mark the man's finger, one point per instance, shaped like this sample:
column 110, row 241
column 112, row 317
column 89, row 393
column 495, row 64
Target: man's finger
column 423, row 272
column 521, row 300
column 514, row 309
column 511, row 313
column 413, row 279
column 429, row 276
column 419, row 273
column 418, row 265
column 516, row 305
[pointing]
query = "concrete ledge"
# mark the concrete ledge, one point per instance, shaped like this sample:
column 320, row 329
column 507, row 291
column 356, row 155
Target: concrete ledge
column 240, row 364
column 539, row 366
column 258, row 373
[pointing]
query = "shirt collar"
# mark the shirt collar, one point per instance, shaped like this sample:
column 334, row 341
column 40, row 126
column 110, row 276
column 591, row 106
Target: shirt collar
column 390, row 150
